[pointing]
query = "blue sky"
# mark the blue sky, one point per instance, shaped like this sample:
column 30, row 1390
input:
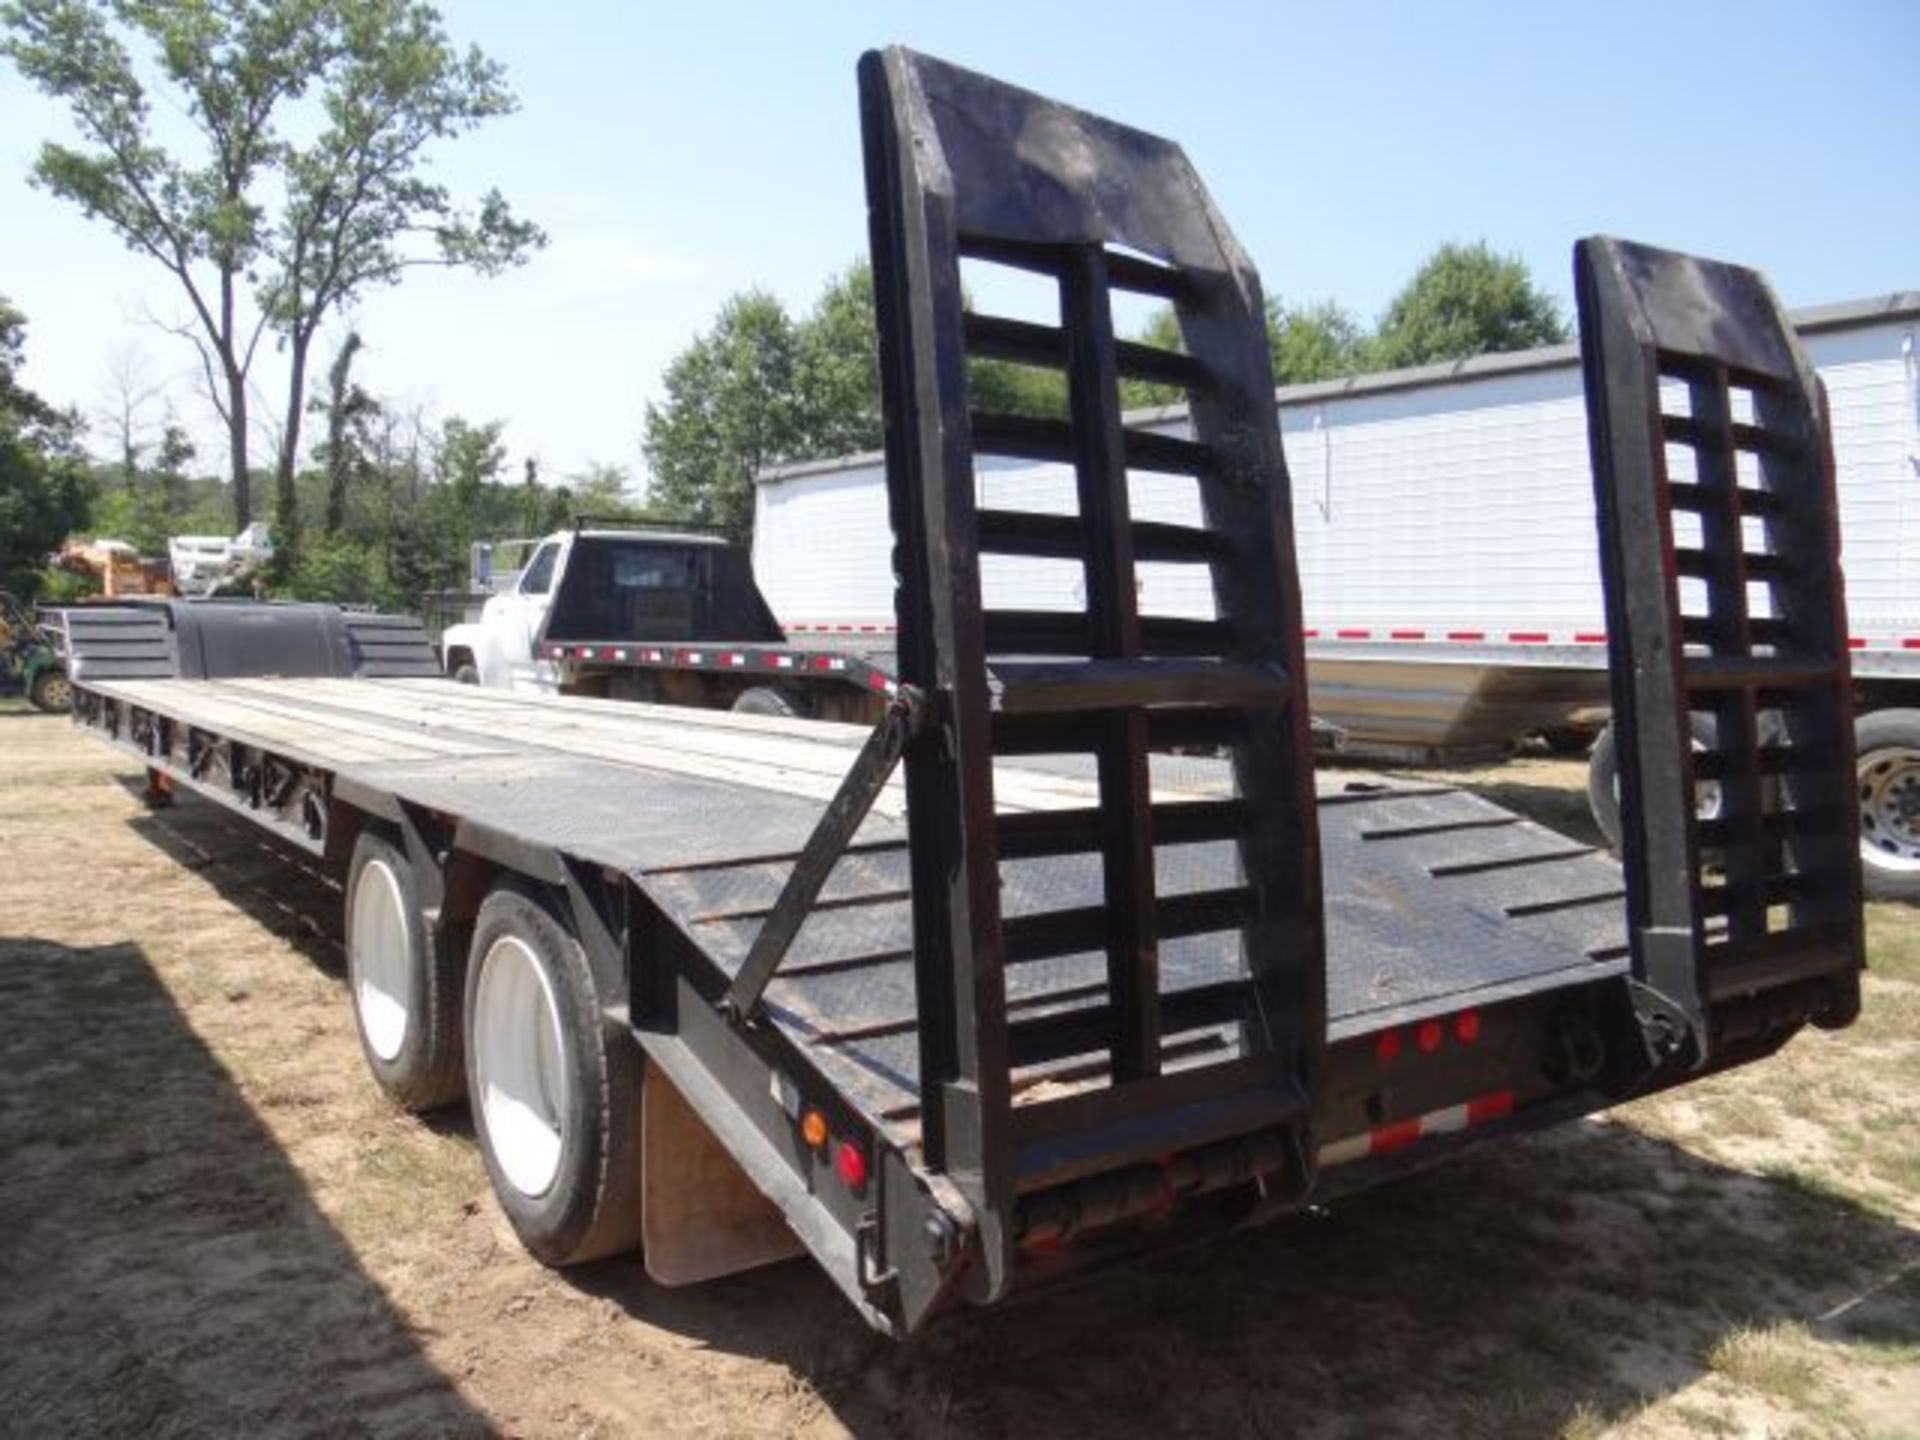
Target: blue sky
column 679, row 153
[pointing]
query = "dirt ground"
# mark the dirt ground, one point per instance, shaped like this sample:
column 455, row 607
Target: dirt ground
column 211, row 1224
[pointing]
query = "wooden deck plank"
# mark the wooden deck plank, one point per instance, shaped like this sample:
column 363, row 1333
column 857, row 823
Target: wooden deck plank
column 338, row 723
column 436, row 742
column 801, row 757
column 310, row 741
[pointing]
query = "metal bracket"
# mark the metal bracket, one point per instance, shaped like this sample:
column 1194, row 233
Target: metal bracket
column 906, row 716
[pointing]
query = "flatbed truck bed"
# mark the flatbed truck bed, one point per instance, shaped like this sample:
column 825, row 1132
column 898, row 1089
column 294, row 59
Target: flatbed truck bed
column 1438, row 900
column 1070, row 956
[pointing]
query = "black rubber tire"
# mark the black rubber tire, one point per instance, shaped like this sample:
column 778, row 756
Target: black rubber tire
column 1603, row 789
column 467, row 673
column 1881, row 730
column 51, row 692
column 427, row 1070
column 765, row 700
column 592, row 1207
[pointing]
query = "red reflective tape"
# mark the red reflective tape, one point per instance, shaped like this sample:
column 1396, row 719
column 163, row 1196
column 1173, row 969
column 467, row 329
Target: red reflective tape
column 1385, row 1139
column 1527, row 637
column 876, row 681
column 1912, row 642
column 1409, row 634
column 1854, row 642
column 1490, row 1107
column 822, row 662
column 1352, row 634
column 1466, row 634
column 1310, row 634
column 1590, row 637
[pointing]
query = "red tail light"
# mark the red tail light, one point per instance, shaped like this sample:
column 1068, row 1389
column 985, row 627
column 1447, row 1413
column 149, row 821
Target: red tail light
column 851, row 1165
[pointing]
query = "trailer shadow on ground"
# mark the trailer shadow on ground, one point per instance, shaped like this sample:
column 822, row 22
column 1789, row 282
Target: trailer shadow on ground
column 164, row 1265
column 284, row 890
column 1542, row 1286
column 1568, row 1278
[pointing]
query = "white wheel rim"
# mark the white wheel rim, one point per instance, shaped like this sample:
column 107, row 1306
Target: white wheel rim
column 1706, row 793
column 380, row 956
column 1890, row 807
column 519, row 1060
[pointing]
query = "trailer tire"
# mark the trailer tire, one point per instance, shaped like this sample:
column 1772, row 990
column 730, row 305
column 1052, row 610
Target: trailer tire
column 466, row 673
column 52, row 692
column 555, row 1084
column 765, row 700
column 1603, row 780
column 1887, row 767
column 406, row 987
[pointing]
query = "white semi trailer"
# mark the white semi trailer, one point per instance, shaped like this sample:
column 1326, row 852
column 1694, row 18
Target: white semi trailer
column 1448, row 559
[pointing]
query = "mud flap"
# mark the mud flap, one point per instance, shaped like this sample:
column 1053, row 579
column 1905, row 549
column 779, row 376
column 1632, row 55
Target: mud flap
column 701, row 1216
column 1720, row 552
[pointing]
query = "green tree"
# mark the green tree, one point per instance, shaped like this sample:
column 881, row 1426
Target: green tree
column 348, row 411
column 1465, row 300
column 469, row 458
column 732, row 407
column 45, row 491
column 601, row 487
column 299, row 227
column 1320, row 341
column 838, row 368
column 170, row 462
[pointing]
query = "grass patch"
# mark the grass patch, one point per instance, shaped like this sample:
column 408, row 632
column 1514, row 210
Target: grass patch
column 1772, row 1360
column 1893, row 942
column 1701, row 1421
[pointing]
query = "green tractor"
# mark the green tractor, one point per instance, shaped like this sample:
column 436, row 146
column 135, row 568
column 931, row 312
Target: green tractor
column 30, row 663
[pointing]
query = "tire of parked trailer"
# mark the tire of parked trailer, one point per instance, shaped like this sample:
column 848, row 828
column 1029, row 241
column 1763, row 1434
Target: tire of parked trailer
column 1603, row 781
column 466, row 673
column 765, row 700
column 52, row 692
column 1887, row 768
column 555, row 1084
column 406, row 988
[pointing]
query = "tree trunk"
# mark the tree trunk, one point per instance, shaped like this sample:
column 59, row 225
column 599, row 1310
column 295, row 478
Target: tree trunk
column 237, row 449
column 286, row 507
column 340, row 462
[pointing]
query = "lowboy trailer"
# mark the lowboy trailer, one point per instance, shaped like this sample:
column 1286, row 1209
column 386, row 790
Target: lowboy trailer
column 1098, row 972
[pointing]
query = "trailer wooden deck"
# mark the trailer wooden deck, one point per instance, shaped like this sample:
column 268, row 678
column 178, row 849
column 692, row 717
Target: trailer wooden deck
column 1436, row 899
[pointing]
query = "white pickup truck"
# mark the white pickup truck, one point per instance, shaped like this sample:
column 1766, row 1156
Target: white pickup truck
column 654, row 615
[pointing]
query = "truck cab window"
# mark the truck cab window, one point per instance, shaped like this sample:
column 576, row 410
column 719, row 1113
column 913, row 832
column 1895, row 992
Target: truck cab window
column 537, row 579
